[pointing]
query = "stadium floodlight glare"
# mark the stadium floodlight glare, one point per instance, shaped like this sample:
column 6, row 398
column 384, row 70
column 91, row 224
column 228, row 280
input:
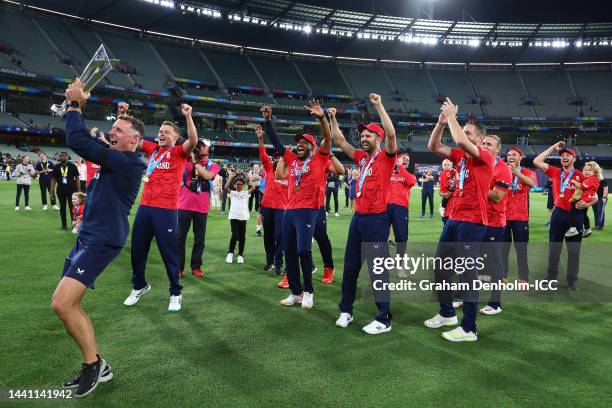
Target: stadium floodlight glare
column 474, row 43
column 163, row 3
column 307, row 29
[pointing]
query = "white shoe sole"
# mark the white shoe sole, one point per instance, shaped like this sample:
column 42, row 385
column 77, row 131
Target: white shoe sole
column 95, row 386
column 491, row 313
column 385, row 330
column 459, row 340
column 342, row 326
column 307, row 306
column 447, row 322
column 145, row 291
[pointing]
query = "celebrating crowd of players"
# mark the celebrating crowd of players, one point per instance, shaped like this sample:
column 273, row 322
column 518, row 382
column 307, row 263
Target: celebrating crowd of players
column 485, row 199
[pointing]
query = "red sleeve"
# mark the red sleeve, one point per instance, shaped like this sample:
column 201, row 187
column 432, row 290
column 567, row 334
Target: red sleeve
column 289, row 157
column 456, row 155
column 553, row 171
column 503, row 179
column 180, row 151
column 265, row 160
column 444, row 182
column 410, row 179
column 484, row 156
column 148, row 147
column 214, row 169
column 321, row 157
column 359, row 154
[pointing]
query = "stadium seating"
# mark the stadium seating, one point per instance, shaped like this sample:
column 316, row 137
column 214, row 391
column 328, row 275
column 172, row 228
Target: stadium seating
column 185, row 62
column 7, row 119
column 505, row 90
column 234, row 69
column 42, row 121
column 279, row 73
column 36, row 53
column 323, row 78
column 456, row 85
column 364, row 80
column 416, row 89
column 596, row 86
column 551, row 88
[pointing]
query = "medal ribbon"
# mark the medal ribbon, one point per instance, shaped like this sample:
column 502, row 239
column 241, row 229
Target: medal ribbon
column 515, row 181
column 462, row 174
column 364, row 171
column 565, row 183
column 300, row 172
column 153, row 163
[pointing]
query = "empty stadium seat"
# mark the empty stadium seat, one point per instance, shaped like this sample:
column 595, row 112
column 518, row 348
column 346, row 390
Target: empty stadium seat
column 505, row 90
column 551, row 88
column 596, row 86
column 234, row 69
column 323, row 78
column 364, row 80
column 416, row 89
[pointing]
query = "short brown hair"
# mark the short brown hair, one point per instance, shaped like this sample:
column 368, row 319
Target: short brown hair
column 479, row 126
column 497, row 138
column 137, row 124
column 173, row 126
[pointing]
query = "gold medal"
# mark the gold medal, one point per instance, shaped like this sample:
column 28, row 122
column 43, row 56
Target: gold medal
column 359, row 194
column 461, row 193
column 297, row 188
column 145, row 179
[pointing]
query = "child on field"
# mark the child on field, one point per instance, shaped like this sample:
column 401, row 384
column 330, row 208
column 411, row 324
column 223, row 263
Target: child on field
column 585, row 191
column 78, row 206
column 238, row 214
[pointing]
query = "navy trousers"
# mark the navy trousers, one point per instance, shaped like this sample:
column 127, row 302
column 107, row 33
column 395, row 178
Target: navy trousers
column 273, row 227
column 460, row 239
column 320, row 235
column 162, row 224
column 492, row 246
column 398, row 219
column 517, row 231
column 367, row 239
column 427, row 194
column 559, row 223
column 297, row 232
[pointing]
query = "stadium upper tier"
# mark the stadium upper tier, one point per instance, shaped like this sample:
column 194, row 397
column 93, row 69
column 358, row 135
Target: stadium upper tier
column 56, row 48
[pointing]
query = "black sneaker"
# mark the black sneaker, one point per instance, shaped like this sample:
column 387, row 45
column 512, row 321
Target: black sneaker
column 90, row 376
column 278, row 271
column 107, row 375
column 258, row 233
column 268, row 268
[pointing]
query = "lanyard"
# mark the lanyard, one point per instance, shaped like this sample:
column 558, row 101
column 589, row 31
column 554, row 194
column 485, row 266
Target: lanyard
column 462, row 174
column 364, row 171
column 515, row 181
column 64, row 171
column 496, row 160
column 565, row 183
column 153, row 163
column 300, row 172
column 76, row 212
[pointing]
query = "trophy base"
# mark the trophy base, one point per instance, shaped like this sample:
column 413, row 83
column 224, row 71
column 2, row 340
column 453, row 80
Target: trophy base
column 58, row 110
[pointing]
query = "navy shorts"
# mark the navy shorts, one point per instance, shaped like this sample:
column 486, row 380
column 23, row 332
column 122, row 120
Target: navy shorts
column 87, row 260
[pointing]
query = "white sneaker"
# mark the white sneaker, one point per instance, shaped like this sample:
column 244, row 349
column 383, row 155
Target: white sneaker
column 135, row 295
column 16, row 208
column 229, row 258
column 439, row 321
column 44, row 207
column 458, row 334
column 337, row 215
column 28, row 208
column 344, row 320
column 458, row 304
column 572, row 232
column 376, row 327
column 55, row 207
column 307, row 300
column 175, row 303
column 489, row 311
column 239, row 259
column 291, row 300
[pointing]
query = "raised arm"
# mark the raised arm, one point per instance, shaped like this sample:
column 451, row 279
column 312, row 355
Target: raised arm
column 450, row 112
column 435, row 144
column 281, row 172
column 540, row 160
column 314, row 107
column 229, row 181
column 530, row 181
column 192, row 132
column 336, row 167
column 339, row 138
column 390, row 139
column 266, row 112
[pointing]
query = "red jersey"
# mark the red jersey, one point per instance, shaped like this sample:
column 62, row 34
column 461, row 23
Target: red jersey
column 399, row 188
column 517, row 207
column 162, row 189
column 275, row 191
column 374, row 193
column 502, row 177
column 445, row 181
column 92, row 168
column 324, row 183
column 77, row 212
column 563, row 202
column 589, row 189
column 307, row 193
column 471, row 205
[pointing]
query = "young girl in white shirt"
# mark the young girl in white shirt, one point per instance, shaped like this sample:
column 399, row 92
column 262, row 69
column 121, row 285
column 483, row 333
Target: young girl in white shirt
column 238, row 214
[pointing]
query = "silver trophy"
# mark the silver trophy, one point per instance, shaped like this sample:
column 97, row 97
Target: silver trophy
column 98, row 67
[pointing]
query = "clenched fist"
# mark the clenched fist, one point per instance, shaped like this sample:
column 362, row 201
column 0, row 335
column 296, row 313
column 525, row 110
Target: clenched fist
column 186, row 109
column 266, row 112
column 122, row 108
column 331, row 112
column 375, row 99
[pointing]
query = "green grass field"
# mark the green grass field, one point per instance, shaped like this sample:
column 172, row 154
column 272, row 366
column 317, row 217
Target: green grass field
column 234, row 345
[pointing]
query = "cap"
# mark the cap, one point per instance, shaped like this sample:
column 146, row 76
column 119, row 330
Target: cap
column 309, row 138
column 518, row 150
column 205, row 142
column 372, row 127
column 566, row 150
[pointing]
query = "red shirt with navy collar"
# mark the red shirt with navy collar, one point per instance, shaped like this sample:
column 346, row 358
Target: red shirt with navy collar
column 400, row 184
column 471, row 205
column 375, row 190
column 554, row 173
column 445, row 181
column 307, row 194
column 92, row 169
column 517, row 207
column 275, row 192
column 162, row 189
column 501, row 180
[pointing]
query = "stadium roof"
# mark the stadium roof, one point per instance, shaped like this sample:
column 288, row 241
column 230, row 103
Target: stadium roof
column 319, row 30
